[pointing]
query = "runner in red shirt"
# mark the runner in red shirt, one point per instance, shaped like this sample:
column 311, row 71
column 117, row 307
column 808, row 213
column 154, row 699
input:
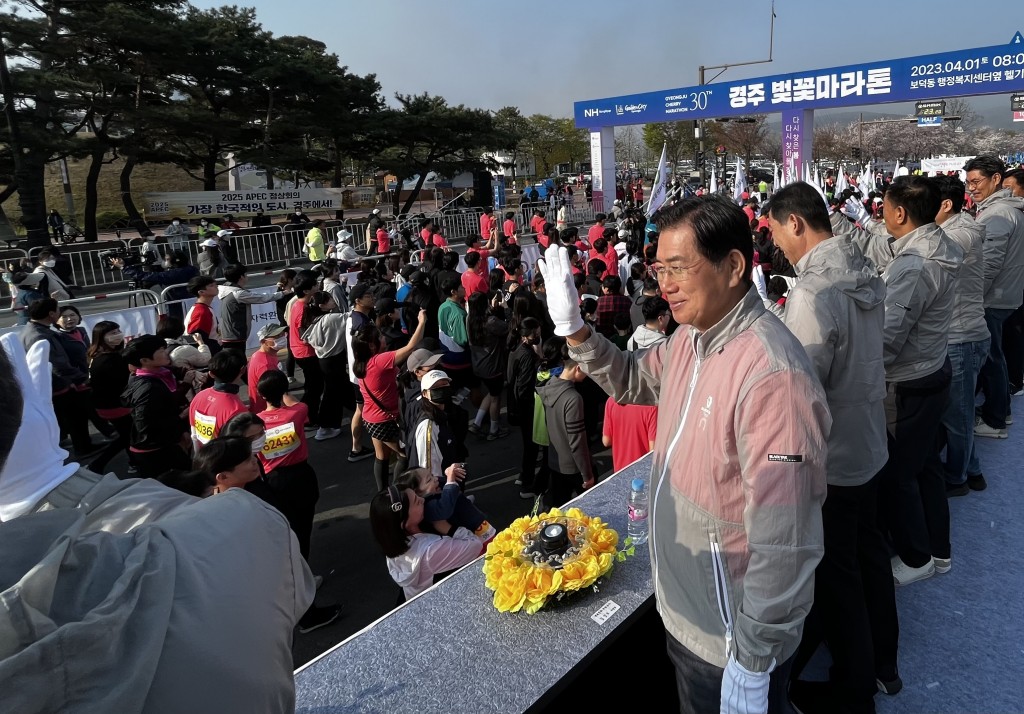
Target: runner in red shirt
column 272, row 338
column 508, row 229
column 474, row 280
column 201, row 317
column 630, row 430
column 597, row 230
column 377, row 372
column 212, row 407
column 537, row 222
column 488, row 224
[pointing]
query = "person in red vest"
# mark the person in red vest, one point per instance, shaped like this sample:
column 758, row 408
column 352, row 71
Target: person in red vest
column 213, row 406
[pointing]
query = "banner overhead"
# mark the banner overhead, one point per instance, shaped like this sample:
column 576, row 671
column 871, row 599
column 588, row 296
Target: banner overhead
column 187, row 204
column 989, row 70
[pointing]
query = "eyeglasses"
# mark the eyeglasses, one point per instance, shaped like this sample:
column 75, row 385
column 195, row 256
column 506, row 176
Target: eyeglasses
column 674, row 273
column 974, row 183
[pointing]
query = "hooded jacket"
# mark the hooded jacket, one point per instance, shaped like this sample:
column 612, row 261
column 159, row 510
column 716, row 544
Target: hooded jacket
column 738, row 479
column 968, row 323
column 155, row 420
column 920, row 286
column 644, row 337
column 1002, row 215
column 836, row 309
column 569, row 452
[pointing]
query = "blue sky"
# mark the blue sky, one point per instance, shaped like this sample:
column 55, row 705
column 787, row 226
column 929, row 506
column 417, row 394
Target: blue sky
column 542, row 57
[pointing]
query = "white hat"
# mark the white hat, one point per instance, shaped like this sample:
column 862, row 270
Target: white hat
column 210, row 243
column 432, row 377
column 623, row 233
column 375, row 211
column 344, row 235
column 617, row 202
column 222, row 233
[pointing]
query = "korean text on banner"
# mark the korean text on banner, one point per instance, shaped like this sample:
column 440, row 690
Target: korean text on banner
column 195, row 204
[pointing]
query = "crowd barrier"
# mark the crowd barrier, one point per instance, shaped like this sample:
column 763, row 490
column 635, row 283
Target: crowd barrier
column 135, row 319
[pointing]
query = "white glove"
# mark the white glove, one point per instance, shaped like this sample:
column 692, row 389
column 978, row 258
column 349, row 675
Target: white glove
column 563, row 299
column 744, row 692
column 35, row 465
column 855, row 210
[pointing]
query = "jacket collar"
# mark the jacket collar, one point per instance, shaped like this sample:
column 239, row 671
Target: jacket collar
column 995, row 197
column 912, row 242
column 736, row 321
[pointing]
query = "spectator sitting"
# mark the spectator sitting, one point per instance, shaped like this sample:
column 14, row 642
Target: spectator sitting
column 414, row 558
column 446, row 509
column 656, row 317
column 188, row 355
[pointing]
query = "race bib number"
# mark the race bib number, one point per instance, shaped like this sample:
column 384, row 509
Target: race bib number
column 204, row 427
column 281, row 441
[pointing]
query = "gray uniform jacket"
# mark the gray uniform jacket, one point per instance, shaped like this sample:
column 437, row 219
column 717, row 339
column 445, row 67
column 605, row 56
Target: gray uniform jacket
column 1001, row 214
column 127, row 596
column 920, row 286
column 837, row 311
column 968, row 323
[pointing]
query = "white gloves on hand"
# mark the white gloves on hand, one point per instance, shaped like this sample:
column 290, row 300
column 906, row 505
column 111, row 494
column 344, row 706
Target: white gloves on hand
column 743, row 691
column 855, row 210
column 563, row 300
column 35, row 465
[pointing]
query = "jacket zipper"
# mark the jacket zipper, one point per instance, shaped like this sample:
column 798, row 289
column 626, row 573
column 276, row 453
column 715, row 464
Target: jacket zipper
column 722, row 591
column 668, row 457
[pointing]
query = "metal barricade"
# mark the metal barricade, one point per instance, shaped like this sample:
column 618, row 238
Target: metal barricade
column 150, row 298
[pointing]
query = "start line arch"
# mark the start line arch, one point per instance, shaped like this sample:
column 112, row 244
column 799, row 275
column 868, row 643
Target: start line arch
column 965, row 73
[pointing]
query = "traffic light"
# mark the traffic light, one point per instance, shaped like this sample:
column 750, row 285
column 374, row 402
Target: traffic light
column 701, row 159
column 856, row 152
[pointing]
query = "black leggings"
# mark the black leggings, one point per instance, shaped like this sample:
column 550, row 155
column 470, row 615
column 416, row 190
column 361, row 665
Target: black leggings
column 313, row 390
column 338, row 391
column 295, row 493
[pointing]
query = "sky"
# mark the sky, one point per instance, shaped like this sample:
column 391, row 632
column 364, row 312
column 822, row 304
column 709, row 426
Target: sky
column 541, row 57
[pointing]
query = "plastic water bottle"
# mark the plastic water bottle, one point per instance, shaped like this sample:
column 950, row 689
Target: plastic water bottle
column 637, row 528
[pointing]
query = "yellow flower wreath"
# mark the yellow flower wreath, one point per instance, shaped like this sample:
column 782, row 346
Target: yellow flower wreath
column 520, row 584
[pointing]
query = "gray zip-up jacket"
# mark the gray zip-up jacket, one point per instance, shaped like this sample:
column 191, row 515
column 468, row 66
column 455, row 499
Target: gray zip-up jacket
column 1002, row 214
column 160, row 572
column 968, row 323
column 837, row 311
column 920, row 286
column 235, row 317
column 737, row 482
column 563, row 407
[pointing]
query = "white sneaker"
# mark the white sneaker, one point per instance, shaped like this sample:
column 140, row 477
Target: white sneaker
column 983, row 429
column 1009, row 420
column 323, row 434
column 903, row 574
column 943, row 565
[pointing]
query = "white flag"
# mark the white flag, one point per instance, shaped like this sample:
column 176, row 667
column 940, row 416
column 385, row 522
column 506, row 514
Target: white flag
column 713, row 186
column 866, row 182
column 740, row 184
column 841, row 183
column 658, row 192
column 775, row 176
column 896, row 170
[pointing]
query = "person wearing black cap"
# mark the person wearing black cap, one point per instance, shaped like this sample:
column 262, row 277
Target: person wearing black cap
column 422, row 297
column 389, row 324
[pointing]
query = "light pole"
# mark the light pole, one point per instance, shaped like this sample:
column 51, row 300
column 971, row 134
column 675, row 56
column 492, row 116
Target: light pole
column 701, row 81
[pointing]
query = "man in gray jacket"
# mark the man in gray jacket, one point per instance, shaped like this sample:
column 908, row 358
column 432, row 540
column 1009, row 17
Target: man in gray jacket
column 836, row 309
column 968, row 339
column 920, row 292
column 137, row 597
column 1000, row 212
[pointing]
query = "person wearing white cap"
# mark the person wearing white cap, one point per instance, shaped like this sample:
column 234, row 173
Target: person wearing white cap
column 343, row 249
column 371, row 228
column 212, row 261
column 439, row 435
